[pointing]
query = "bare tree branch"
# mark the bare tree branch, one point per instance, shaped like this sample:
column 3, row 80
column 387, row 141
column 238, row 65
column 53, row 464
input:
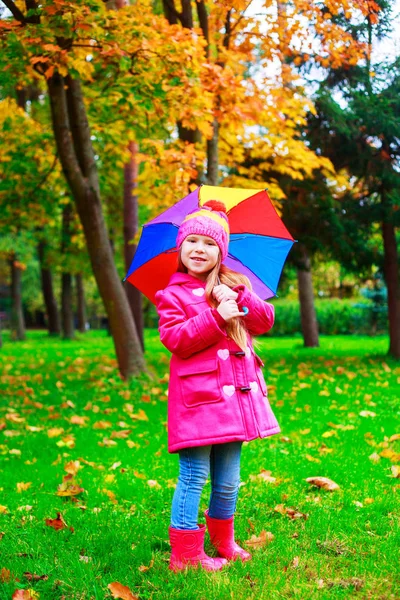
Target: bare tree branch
column 14, row 10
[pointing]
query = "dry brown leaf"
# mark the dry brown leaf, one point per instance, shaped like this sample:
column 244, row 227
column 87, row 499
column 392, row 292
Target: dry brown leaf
column 121, row 591
column 110, row 495
column 323, row 482
column 395, row 471
column 78, row 420
column 66, row 489
column 144, row 568
column 57, row 523
column 5, row 575
column 139, row 416
column 72, row 467
column 328, row 434
column 3, row 510
column 266, row 476
column 293, row 513
column 107, row 442
column 34, row 577
column 121, row 434
column 394, row 437
column 102, row 425
column 25, row 595
column 260, row 541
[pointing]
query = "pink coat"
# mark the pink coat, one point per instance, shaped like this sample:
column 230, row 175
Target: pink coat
column 217, row 392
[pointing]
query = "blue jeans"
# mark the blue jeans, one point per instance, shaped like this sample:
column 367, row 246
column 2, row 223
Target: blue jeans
column 222, row 461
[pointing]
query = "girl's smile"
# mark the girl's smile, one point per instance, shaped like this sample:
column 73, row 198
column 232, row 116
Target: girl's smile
column 199, row 254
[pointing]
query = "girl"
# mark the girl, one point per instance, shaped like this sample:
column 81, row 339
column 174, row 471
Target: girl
column 217, row 395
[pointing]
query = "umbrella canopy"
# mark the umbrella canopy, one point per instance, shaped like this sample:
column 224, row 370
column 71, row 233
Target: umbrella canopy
column 258, row 247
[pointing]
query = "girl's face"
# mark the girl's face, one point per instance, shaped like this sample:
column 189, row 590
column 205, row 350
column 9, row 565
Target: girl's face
column 199, row 254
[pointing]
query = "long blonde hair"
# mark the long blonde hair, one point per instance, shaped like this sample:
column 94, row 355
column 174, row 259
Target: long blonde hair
column 235, row 328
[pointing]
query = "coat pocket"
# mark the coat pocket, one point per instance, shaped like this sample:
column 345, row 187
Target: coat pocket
column 200, row 383
column 260, row 376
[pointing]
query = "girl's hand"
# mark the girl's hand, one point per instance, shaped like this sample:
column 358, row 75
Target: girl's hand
column 229, row 310
column 222, row 293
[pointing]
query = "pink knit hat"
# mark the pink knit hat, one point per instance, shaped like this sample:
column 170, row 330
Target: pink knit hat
column 210, row 220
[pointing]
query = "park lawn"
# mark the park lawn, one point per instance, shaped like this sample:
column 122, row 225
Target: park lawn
column 63, row 402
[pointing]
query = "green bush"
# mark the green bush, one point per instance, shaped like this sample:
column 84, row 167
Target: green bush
column 335, row 317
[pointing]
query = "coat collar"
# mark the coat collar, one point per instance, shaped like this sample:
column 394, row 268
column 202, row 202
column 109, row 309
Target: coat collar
column 186, row 279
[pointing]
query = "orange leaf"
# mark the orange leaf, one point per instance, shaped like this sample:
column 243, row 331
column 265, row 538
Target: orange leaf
column 24, row 595
column 263, row 539
column 5, row 575
column 121, row 591
column 57, row 523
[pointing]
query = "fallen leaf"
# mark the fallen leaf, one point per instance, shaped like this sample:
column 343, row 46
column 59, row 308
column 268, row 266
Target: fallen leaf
column 153, row 483
column 324, row 483
column 66, row 488
column 5, row 575
column 144, row 568
column 266, row 476
column 367, row 413
column 72, row 467
column 312, row 458
column 374, row 457
column 3, row 510
column 78, row 420
column 345, row 583
column 395, row 471
column 394, row 437
column 122, row 434
column 102, row 425
column 54, row 431
column 25, row 595
column 328, row 434
column 57, row 523
column 33, row 577
column 260, row 541
column 23, row 486
column 293, row 513
column 139, row 416
column 121, row 591
column 110, row 495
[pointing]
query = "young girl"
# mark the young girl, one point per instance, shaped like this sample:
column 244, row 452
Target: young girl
column 217, row 394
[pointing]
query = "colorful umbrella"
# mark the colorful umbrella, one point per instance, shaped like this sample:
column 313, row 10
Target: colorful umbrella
column 258, row 247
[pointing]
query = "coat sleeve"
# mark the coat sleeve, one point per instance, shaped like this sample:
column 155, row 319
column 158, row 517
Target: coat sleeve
column 261, row 315
column 183, row 335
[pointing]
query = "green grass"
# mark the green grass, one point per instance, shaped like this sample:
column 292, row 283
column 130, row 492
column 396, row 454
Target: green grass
column 347, row 547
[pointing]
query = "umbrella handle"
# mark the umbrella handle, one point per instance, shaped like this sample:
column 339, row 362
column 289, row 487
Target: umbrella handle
column 245, row 310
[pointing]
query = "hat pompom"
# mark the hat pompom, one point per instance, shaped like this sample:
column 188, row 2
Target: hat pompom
column 215, row 205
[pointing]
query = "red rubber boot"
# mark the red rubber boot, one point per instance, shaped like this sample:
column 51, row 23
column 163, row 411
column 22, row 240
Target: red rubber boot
column 188, row 551
column 222, row 537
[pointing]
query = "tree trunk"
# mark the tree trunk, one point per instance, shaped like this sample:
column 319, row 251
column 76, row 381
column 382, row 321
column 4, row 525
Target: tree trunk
column 309, row 324
column 53, row 317
column 72, row 134
column 391, row 272
column 190, row 136
column 67, row 314
column 212, row 156
column 17, row 315
column 80, row 303
column 131, row 225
